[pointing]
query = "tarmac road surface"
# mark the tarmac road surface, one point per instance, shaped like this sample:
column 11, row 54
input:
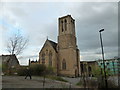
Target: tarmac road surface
column 35, row 82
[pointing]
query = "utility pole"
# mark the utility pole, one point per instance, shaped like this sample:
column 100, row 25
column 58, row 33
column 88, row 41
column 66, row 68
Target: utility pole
column 103, row 59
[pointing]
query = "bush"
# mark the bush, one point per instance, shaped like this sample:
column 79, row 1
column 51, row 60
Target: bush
column 37, row 69
column 80, row 83
column 21, row 71
column 97, row 72
column 9, row 70
column 49, row 70
column 4, row 68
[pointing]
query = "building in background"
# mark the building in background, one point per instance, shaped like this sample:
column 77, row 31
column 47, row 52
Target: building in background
column 111, row 65
column 9, row 62
column 33, row 62
column 87, row 67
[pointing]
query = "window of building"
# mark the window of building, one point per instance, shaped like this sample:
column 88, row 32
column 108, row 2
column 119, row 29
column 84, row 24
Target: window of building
column 62, row 29
column 43, row 58
column 107, row 63
column 72, row 21
column 82, row 70
column 62, row 26
column 65, row 24
column 46, row 51
column 64, row 64
column 50, row 58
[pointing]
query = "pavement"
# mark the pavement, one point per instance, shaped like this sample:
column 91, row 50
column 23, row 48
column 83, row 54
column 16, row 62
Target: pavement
column 73, row 81
column 35, row 82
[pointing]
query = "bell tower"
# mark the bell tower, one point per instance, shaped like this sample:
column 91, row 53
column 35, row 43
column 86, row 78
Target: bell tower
column 66, row 25
column 68, row 52
column 66, row 38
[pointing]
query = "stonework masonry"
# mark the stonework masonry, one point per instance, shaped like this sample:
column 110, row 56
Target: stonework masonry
column 64, row 55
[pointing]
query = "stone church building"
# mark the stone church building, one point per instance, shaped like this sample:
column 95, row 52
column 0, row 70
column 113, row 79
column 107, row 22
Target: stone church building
column 64, row 55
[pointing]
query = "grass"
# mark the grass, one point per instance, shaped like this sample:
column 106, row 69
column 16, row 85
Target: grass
column 56, row 78
column 79, row 83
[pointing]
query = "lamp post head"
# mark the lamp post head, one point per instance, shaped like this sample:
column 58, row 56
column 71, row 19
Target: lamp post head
column 101, row 30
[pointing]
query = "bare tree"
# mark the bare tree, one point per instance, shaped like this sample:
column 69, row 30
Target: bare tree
column 16, row 44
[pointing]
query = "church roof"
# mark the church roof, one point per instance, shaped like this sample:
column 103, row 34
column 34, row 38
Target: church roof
column 54, row 44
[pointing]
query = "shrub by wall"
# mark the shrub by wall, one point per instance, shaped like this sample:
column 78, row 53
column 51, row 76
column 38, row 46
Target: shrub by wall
column 21, row 71
column 37, row 69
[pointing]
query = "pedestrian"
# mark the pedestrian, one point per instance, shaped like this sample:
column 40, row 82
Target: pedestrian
column 28, row 73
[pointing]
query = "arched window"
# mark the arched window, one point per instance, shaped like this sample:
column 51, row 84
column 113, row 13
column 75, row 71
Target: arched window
column 50, row 58
column 47, row 51
column 64, row 64
column 43, row 58
column 62, row 26
column 65, row 24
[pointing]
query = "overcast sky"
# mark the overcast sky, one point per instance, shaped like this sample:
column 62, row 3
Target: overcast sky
column 37, row 20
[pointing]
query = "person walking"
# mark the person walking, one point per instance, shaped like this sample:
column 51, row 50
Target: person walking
column 28, row 73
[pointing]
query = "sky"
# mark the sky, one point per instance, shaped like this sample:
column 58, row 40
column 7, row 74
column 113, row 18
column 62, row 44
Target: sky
column 39, row 20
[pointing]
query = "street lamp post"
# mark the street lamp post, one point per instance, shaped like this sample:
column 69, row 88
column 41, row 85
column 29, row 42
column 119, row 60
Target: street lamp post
column 103, row 58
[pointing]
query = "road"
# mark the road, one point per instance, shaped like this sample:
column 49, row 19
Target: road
column 36, row 82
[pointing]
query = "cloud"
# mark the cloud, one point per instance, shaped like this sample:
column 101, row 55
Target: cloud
column 88, row 27
column 39, row 20
column 19, row 12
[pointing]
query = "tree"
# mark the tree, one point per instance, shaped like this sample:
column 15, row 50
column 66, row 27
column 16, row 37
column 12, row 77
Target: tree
column 98, row 71
column 16, row 44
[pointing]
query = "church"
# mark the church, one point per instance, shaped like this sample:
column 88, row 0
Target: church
column 63, row 56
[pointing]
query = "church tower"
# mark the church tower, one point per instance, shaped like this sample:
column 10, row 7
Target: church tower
column 68, row 53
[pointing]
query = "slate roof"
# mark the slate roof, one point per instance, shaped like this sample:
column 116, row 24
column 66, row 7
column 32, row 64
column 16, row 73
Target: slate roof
column 54, row 44
column 11, row 60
